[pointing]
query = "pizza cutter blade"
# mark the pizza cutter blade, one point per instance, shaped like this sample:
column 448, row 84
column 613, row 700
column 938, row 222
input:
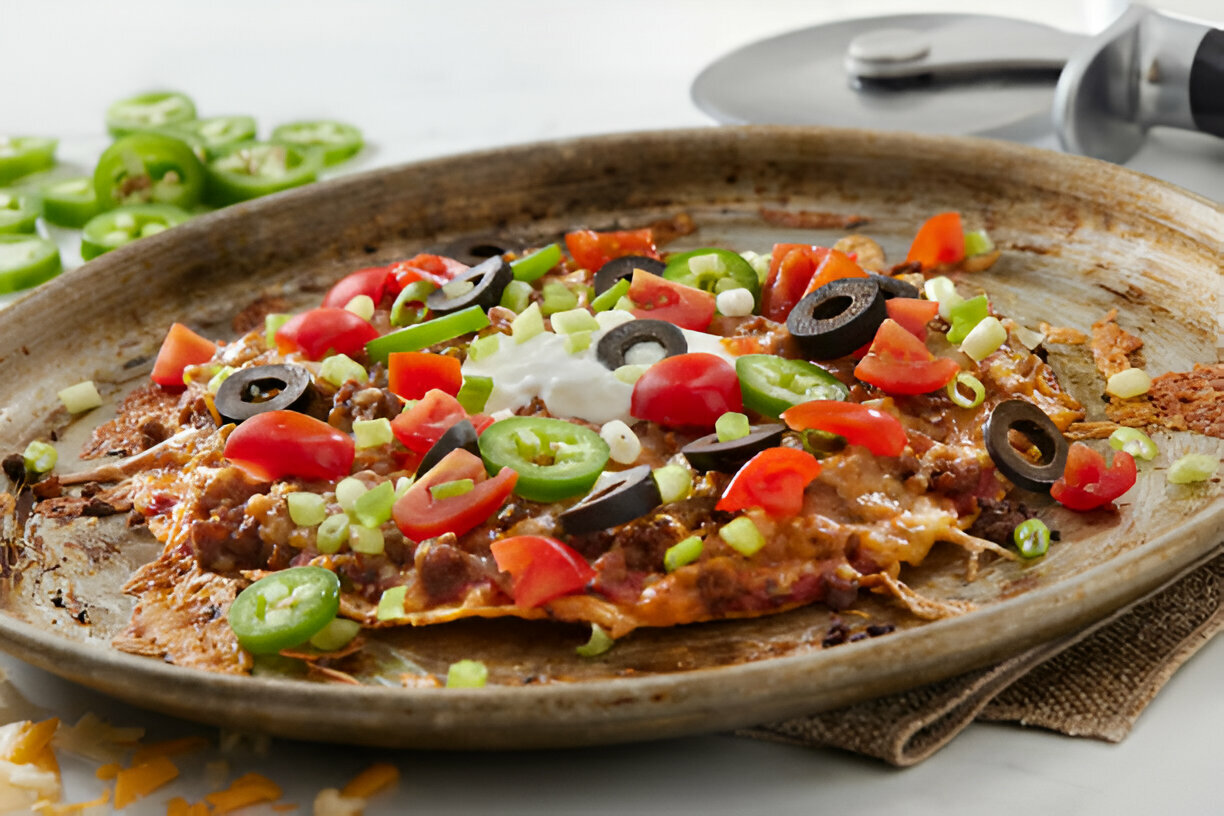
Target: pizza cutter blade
column 982, row 75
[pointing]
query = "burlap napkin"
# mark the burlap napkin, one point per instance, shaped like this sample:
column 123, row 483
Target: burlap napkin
column 1091, row 684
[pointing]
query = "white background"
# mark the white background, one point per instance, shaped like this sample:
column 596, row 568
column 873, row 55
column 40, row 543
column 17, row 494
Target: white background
column 426, row 79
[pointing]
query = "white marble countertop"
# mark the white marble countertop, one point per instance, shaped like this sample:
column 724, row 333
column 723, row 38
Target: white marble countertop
column 426, row 79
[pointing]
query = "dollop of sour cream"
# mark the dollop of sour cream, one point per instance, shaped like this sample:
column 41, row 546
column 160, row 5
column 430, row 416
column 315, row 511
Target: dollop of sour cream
column 570, row 385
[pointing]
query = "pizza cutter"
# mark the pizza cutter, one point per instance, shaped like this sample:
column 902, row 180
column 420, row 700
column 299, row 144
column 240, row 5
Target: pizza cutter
column 980, row 74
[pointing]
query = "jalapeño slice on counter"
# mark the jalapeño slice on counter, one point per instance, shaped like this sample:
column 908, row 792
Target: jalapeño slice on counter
column 22, row 155
column 714, row 270
column 285, row 609
column 70, row 202
column 554, row 459
column 771, row 384
column 18, row 212
column 253, row 169
column 148, row 168
column 111, row 230
column 148, row 110
column 214, row 134
column 335, row 141
column 25, row 261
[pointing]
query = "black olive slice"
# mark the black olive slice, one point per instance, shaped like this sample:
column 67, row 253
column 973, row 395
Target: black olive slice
column 476, row 249
column 631, row 496
column 707, row 453
column 622, row 269
column 617, row 341
column 895, row 287
column 460, row 435
column 251, row 391
column 488, row 279
column 837, row 318
column 1031, row 421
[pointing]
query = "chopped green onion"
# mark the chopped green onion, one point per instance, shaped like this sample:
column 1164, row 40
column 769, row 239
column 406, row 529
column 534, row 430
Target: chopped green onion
column 474, row 393
column 373, row 507
column 348, row 491
column 409, row 306
column 557, row 298
column 1130, row 382
column 682, row 552
column 984, row 339
column 1135, row 442
column 630, row 374
column 214, row 382
column 537, row 264
column 272, row 324
column 577, row 342
column 972, row 383
column 608, row 298
column 731, row 426
column 759, row 263
column 306, row 509
column 340, row 368
column 1032, row 538
column 978, row 243
column 372, row 433
column 391, row 603
column 965, row 315
column 40, row 457
column 599, row 643
column 467, row 674
column 624, row 304
column 361, row 305
column 624, row 447
column 457, row 288
column 80, row 397
column 517, row 296
column 1193, row 467
column 742, row 535
column 942, row 290
column 429, row 333
column 366, row 540
column 574, row 320
column 332, row 534
column 528, row 324
column 402, row 484
column 674, row 481
column 484, row 347
column 449, row 490
column 335, row 635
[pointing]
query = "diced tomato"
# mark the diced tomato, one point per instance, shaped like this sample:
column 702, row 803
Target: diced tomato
column 412, row 374
column 742, row 344
column 594, row 249
column 1087, row 483
column 277, row 444
column 835, row 266
column 432, row 268
column 941, row 240
column 791, row 268
column 878, row 431
column 900, row 363
column 687, row 391
column 913, row 314
column 420, row 516
column 319, row 332
column 371, row 282
column 773, row 480
column 181, row 348
column 542, row 568
column 660, row 299
column 419, row 427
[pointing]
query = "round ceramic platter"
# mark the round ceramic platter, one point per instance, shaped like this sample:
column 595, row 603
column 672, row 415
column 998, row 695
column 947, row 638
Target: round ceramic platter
column 1078, row 237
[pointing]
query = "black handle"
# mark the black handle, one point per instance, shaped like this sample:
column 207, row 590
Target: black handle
column 1207, row 84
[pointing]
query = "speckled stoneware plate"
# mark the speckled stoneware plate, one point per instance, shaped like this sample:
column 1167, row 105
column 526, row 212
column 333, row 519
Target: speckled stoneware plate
column 1078, row 237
